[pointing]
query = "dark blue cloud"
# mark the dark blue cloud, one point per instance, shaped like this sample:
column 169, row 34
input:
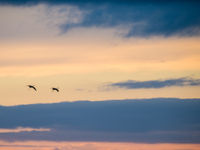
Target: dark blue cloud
column 150, row 120
column 147, row 19
column 22, row 2
column 143, row 18
column 132, row 84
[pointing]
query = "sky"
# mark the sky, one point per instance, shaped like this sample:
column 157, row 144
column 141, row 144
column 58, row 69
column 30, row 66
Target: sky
column 96, row 52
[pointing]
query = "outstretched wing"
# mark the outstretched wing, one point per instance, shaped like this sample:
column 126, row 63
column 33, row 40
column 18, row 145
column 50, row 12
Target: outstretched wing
column 33, row 87
column 55, row 89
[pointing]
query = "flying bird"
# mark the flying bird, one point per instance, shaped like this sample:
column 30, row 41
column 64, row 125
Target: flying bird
column 32, row 86
column 55, row 89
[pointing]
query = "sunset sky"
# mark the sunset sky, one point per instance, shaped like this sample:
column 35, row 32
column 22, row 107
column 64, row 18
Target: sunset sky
column 98, row 51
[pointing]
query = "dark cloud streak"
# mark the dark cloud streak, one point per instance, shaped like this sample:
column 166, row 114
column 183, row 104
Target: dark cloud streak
column 132, row 84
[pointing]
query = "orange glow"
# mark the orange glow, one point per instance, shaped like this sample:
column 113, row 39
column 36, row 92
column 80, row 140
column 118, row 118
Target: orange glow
column 89, row 60
column 65, row 56
column 46, row 145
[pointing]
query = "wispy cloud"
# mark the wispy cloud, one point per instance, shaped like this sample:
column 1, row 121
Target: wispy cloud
column 133, row 84
column 36, row 21
column 21, row 129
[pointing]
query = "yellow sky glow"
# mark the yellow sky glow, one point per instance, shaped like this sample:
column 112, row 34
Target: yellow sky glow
column 90, row 64
column 81, row 61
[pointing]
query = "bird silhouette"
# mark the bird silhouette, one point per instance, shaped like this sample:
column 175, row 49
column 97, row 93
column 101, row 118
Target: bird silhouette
column 55, row 89
column 32, row 86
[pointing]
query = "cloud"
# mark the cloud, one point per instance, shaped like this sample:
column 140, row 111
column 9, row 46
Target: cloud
column 150, row 120
column 20, row 129
column 148, row 19
column 132, row 84
column 36, row 21
column 142, row 18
